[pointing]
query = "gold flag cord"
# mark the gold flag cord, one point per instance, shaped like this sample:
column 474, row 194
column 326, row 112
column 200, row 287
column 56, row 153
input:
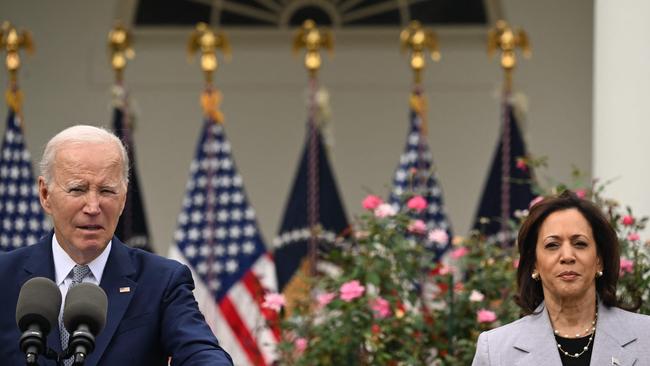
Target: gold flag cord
column 210, row 100
column 418, row 104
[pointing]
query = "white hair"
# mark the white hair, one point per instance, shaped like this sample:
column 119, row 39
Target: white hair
column 80, row 134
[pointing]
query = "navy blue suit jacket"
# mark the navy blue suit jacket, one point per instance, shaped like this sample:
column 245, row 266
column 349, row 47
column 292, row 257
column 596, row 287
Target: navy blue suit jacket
column 156, row 318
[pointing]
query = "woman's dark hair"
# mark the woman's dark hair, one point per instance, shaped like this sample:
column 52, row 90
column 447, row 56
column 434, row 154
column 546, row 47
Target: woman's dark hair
column 529, row 294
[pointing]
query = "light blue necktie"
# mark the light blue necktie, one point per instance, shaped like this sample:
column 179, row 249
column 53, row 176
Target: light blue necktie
column 79, row 272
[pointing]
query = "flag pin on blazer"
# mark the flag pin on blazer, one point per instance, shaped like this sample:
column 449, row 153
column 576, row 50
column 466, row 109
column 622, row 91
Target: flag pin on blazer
column 615, row 361
column 128, row 289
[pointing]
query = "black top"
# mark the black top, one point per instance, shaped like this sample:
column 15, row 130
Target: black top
column 573, row 346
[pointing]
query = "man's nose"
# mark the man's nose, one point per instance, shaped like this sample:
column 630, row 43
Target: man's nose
column 92, row 204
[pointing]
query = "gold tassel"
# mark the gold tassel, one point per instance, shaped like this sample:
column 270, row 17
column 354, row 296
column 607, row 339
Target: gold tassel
column 14, row 100
column 210, row 101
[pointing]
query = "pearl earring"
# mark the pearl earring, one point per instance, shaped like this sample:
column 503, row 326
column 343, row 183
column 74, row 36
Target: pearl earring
column 535, row 276
column 599, row 274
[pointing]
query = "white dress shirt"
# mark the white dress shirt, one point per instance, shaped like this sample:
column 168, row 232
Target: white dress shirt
column 63, row 265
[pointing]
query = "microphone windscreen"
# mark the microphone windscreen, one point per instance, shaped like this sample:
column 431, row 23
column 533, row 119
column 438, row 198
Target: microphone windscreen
column 86, row 303
column 39, row 302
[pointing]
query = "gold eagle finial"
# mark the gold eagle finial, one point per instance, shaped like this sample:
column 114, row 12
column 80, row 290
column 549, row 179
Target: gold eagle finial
column 206, row 41
column 11, row 40
column 120, row 48
column 507, row 39
column 417, row 39
column 312, row 39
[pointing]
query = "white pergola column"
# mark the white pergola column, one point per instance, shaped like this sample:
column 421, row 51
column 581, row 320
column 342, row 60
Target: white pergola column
column 621, row 133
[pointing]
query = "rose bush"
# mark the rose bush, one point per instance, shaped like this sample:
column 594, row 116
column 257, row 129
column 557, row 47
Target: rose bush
column 386, row 302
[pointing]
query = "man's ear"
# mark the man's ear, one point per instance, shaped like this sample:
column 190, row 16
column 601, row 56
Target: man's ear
column 44, row 195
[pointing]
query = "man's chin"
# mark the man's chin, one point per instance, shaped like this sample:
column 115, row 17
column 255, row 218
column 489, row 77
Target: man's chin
column 91, row 246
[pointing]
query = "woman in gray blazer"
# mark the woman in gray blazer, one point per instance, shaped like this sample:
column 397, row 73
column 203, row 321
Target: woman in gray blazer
column 567, row 275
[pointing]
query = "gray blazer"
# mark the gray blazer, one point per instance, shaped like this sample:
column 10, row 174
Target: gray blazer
column 622, row 338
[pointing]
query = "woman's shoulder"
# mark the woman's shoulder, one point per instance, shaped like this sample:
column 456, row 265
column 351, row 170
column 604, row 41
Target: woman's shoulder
column 510, row 330
column 629, row 317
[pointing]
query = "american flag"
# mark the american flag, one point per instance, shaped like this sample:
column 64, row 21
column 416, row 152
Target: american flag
column 21, row 216
column 218, row 237
column 414, row 175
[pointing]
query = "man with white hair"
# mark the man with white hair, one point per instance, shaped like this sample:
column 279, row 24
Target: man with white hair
column 152, row 314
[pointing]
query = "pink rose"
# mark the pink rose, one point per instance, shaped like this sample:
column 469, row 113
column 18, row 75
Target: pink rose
column 535, row 201
column 476, row 296
column 380, row 307
column 385, row 210
column 459, row 252
column 371, row 202
column 361, row 234
column 300, row 344
column 273, row 301
column 445, row 269
column 439, row 236
column 581, row 193
column 417, row 204
column 485, row 316
column 351, row 290
column 521, row 164
column 417, row 227
column 628, row 220
column 633, row 237
column 627, row 266
column 324, row 299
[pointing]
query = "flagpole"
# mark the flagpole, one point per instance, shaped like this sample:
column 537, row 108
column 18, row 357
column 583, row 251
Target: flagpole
column 415, row 40
column 312, row 39
column 506, row 39
column 120, row 50
column 206, row 41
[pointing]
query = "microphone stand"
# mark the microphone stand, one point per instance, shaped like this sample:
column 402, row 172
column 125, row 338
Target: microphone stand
column 51, row 354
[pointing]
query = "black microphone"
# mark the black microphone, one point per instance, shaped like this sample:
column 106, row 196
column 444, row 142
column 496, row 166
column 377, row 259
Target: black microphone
column 84, row 316
column 37, row 311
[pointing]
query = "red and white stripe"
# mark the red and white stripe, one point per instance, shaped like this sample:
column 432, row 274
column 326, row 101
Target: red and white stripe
column 239, row 321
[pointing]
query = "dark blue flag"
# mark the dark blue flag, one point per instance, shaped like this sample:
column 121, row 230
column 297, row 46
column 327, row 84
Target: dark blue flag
column 508, row 186
column 22, row 220
column 292, row 243
column 415, row 175
column 132, row 228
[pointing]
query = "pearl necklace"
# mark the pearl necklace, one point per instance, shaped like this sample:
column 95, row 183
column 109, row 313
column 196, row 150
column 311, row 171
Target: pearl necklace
column 591, row 328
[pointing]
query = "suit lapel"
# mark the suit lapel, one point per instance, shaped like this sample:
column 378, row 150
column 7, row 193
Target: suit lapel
column 40, row 263
column 612, row 335
column 116, row 276
column 538, row 341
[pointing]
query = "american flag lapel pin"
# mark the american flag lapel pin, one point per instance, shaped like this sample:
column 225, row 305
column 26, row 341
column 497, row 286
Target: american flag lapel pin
column 125, row 290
